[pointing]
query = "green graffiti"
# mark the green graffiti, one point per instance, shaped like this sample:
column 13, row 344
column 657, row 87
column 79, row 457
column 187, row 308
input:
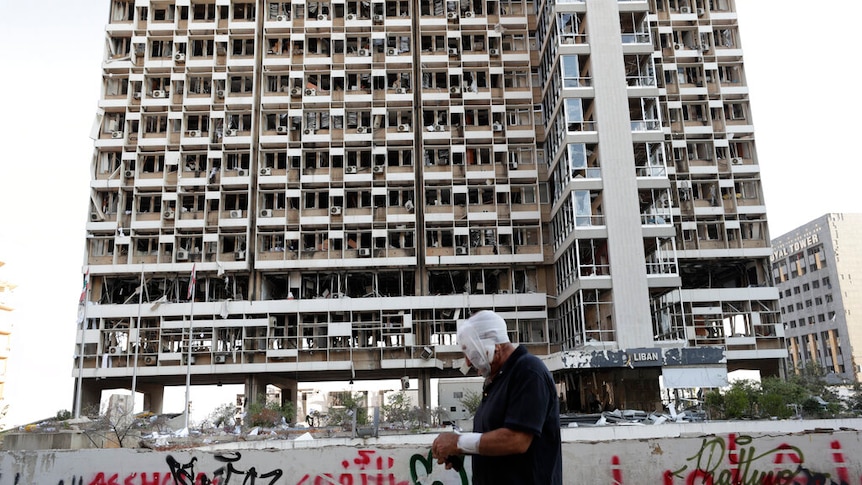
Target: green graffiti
column 427, row 464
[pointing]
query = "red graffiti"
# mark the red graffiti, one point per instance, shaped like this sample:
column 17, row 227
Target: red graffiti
column 367, row 468
column 838, row 458
column 616, row 472
column 155, row 478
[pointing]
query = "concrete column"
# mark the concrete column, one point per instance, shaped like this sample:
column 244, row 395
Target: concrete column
column 91, row 395
column 631, row 318
column 154, row 397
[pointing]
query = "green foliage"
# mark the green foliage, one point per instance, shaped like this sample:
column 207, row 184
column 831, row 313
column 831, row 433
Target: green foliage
column 351, row 404
column 397, row 408
column 738, row 400
column 470, row 401
column 223, row 415
column 63, row 415
column 714, row 401
column 263, row 413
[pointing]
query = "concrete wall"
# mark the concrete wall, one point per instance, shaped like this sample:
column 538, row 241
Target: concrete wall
column 798, row 452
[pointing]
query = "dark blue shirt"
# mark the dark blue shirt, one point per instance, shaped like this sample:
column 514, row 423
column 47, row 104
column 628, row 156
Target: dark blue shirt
column 521, row 397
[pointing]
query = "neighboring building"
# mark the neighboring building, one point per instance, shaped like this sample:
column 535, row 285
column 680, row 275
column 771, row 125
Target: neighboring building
column 6, row 289
column 347, row 180
column 813, row 267
column 452, row 392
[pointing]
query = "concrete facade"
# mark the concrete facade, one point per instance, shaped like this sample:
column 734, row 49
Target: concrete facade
column 803, row 452
column 813, row 267
column 347, row 180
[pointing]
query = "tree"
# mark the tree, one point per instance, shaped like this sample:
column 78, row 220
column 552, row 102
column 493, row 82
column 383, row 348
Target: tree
column 272, row 413
column 223, row 415
column 350, row 406
column 471, row 400
column 397, row 408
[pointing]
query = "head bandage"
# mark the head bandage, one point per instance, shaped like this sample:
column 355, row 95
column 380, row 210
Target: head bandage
column 478, row 335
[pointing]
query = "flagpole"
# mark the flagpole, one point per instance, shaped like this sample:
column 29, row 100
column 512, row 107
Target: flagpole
column 138, row 340
column 83, row 322
column 191, row 295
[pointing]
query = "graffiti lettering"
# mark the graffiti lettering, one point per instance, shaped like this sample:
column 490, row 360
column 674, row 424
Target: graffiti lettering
column 706, row 466
column 367, row 468
column 427, row 474
column 184, row 474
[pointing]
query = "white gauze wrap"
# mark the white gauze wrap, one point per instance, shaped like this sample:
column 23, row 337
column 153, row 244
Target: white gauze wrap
column 478, row 335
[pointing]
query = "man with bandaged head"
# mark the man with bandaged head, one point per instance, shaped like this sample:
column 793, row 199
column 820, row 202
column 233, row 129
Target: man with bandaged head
column 516, row 430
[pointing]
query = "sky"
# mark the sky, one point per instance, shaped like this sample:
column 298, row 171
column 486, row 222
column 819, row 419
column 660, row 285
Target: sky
column 798, row 63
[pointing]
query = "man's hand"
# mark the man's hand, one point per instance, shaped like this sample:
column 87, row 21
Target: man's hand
column 444, row 446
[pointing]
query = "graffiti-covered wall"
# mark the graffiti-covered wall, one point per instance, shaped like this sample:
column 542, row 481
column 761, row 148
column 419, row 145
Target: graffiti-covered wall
column 797, row 452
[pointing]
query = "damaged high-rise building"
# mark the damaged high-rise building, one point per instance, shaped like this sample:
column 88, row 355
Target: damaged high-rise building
column 348, row 179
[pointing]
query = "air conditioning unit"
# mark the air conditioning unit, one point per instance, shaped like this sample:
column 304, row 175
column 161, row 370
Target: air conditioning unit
column 439, row 128
column 468, row 14
column 700, row 12
column 513, row 166
column 309, row 131
column 187, row 359
column 405, row 382
column 350, row 169
column 322, row 16
column 182, row 255
column 497, row 126
column 454, row 90
column 403, row 127
column 378, row 18
column 241, row 172
column 239, row 255
column 676, row 46
column 409, row 205
column 335, row 210
column 379, row 169
column 364, row 253
column 467, row 89
column 453, row 51
column 281, row 130
column 295, row 91
column 364, row 52
column 180, row 57
column 94, row 217
column 266, row 213
column 361, row 129
column 113, row 350
column 281, row 18
column 230, row 132
column 150, row 360
column 350, row 16
column 169, row 214
column 494, row 52
column 266, row 171
column 236, row 214
column 129, row 174
column 137, row 95
column 736, row 160
column 451, row 15
column 400, row 90
column 220, row 93
column 194, row 133
column 460, row 250
column 158, row 93
column 684, row 9
column 116, row 134
column 219, row 359
column 392, row 51
column 311, row 92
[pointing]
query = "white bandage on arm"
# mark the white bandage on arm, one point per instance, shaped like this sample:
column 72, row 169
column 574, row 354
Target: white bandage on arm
column 469, row 443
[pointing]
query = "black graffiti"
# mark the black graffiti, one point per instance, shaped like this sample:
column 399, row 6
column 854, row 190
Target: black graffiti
column 75, row 481
column 184, row 474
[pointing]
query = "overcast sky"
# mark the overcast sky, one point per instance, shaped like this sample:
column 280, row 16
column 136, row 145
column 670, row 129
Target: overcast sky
column 798, row 64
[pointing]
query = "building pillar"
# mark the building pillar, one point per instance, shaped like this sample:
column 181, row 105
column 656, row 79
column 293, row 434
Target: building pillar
column 154, row 397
